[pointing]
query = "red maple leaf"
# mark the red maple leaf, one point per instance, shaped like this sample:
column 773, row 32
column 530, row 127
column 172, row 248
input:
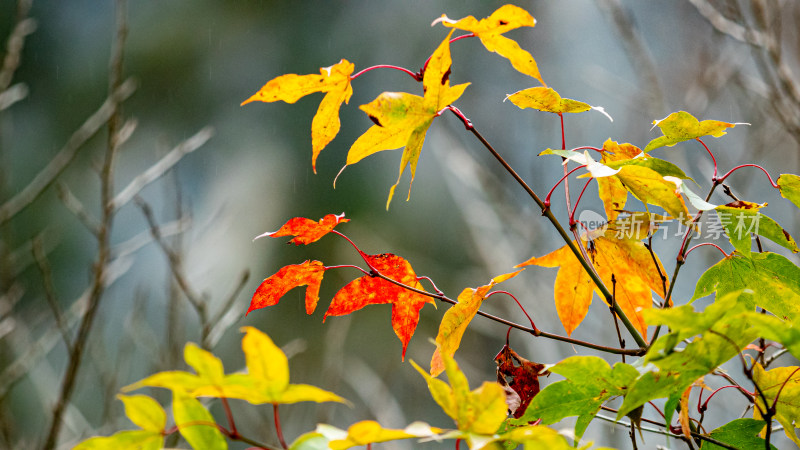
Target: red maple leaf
column 373, row 290
column 305, row 230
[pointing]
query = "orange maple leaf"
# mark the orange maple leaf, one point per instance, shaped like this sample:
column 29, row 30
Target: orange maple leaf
column 333, row 80
column 306, row 231
column 371, row 290
column 289, row 277
column 626, row 260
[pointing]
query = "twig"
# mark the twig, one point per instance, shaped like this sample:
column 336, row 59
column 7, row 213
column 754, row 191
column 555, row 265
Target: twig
column 59, row 162
column 49, row 290
column 176, row 267
column 547, row 213
column 158, row 169
column 104, row 235
column 16, row 41
column 76, row 207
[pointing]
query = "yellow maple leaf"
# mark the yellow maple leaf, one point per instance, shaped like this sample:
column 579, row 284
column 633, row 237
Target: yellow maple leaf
column 333, row 80
column 402, row 119
column 457, row 318
column 490, row 30
column 626, row 260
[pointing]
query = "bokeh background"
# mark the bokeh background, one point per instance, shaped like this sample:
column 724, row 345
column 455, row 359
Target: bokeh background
column 194, row 62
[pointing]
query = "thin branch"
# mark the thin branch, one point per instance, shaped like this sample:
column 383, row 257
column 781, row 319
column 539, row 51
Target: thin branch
column 75, row 206
column 16, row 41
column 49, row 289
column 59, row 162
column 158, row 169
column 104, row 236
column 563, row 233
column 176, row 267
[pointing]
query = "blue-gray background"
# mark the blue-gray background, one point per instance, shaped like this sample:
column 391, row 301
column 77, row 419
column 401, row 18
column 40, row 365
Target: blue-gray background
column 467, row 221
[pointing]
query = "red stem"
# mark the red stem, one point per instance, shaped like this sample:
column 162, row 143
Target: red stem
column 278, row 425
column 704, row 407
column 575, row 208
column 588, row 147
column 425, row 66
column 533, row 326
column 714, row 177
column 234, row 434
column 702, row 244
column 722, row 178
column 550, row 193
column 415, row 76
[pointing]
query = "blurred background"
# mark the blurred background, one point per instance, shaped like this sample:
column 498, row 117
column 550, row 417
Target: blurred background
column 189, row 177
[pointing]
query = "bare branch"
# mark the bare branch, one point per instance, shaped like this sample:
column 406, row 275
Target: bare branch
column 53, row 169
column 162, row 166
column 16, row 41
column 49, row 290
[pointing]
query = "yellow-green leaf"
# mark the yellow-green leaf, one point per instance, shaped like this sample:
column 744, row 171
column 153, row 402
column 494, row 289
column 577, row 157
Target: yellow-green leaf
column 145, row 412
column 402, row 119
column 781, row 384
column 369, row 432
column 195, row 423
column 134, row 439
column 479, row 412
column 333, row 80
column 490, row 29
column 650, row 187
column 610, row 189
column 547, row 99
column 789, row 185
column 265, row 360
column 741, row 219
column 457, row 318
column 681, row 126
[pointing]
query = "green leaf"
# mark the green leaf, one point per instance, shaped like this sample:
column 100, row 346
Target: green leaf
column 589, row 383
column 782, row 332
column 740, row 433
column 195, row 423
column 673, row 369
column 310, row 441
column 681, row 126
column 774, row 280
column 789, row 185
column 740, row 219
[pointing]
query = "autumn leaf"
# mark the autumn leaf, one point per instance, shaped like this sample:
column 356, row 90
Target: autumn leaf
column 370, row 432
column 333, row 80
column 627, row 260
column 403, row 119
column 372, row 290
column 681, row 126
column 457, row 318
column 649, row 179
column 612, row 192
column 478, row 412
column 741, row 219
column 490, row 30
column 543, row 98
column 306, row 231
column 195, row 423
column 521, row 375
column 781, row 386
column 145, row 413
column 789, row 185
column 270, row 291
column 267, row 380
